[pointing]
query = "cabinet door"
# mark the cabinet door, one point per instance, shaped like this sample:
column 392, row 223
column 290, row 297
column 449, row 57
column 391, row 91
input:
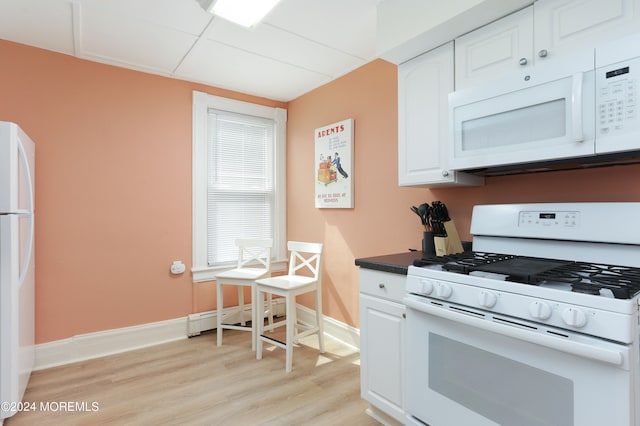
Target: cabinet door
column 424, row 84
column 495, row 50
column 563, row 26
column 382, row 329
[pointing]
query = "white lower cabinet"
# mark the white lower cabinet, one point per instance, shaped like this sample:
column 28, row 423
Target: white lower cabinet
column 382, row 331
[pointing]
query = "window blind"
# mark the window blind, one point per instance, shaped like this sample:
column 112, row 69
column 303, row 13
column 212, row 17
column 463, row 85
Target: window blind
column 240, row 182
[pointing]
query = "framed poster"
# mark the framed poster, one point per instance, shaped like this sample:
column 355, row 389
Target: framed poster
column 334, row 165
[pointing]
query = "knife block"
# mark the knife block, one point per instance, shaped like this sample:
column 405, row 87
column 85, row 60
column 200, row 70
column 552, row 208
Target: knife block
column 450, row 244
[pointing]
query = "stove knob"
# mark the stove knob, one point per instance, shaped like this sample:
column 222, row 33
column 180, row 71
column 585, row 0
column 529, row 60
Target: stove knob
column 574, row 317
column 487, row 299
column 540, row 310
column 426, row 287
column 443, row 290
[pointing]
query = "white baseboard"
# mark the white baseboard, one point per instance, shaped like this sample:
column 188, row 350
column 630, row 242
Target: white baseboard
column 338, row 330
column 381, row 417
column 205, row 321
column 110, row 342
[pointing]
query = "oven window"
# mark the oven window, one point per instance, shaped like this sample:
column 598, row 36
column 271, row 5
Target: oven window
column 498, row 388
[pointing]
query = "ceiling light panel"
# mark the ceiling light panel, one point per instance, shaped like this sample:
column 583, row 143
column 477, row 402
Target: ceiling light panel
column 243, row 12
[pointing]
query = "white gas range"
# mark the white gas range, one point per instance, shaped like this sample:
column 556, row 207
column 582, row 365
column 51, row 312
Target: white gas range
column 535, row 326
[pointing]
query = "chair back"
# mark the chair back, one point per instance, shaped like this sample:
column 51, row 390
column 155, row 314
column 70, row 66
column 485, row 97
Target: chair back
column 305, row 256
column 256, row 251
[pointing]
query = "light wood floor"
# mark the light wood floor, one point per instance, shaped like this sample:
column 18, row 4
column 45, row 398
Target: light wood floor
column 193, row 382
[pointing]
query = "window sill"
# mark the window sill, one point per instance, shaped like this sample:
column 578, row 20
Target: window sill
column 209, row 273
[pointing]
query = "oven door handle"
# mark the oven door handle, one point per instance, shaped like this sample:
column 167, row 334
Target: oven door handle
column 575, row 348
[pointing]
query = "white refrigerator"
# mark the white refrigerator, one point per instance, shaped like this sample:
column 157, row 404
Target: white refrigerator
column 17, row 273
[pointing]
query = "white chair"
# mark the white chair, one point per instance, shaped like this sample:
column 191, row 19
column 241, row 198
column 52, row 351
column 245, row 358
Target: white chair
column 304, row 257
column 254, row 261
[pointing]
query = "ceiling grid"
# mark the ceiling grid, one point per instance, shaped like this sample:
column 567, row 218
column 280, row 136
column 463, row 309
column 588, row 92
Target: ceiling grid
column 301, row 45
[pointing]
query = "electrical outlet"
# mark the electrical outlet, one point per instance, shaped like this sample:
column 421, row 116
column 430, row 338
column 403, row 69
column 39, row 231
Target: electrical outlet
column 177, row 267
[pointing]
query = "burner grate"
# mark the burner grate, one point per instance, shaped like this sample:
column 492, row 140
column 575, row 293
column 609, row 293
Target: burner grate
column 589, row 278
column 623, row 282
column 525, row 270
column 463, row 263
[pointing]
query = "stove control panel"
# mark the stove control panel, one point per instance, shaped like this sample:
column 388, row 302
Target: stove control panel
column 549, row 219
column 552, row 308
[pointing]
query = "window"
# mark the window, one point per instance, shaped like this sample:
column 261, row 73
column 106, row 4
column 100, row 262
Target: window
column 238, row 180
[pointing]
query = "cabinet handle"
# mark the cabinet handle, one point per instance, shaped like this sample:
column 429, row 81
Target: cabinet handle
column 445, row 173
column 543, row 53
column 404, row 315
column 381, row 285
column 523, row 61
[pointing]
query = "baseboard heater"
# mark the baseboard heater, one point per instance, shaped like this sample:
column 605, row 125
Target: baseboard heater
column 207, row 321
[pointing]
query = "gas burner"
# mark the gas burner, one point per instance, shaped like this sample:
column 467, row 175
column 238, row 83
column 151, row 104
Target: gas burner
column 619, row 282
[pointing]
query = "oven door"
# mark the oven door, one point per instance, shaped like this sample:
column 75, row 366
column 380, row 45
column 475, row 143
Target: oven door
column 471, row 367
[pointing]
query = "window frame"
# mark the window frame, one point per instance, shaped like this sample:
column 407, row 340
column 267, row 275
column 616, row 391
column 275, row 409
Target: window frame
column 202, row 102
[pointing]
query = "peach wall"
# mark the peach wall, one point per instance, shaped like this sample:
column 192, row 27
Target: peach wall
column 381, row 222
column 113, row 200
column 113, row 179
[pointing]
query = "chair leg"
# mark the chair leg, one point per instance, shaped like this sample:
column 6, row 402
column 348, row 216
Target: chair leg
column 254, row 316
column 241, row 304
column 291, row 324
column 260, row 324
column 294, row 320
column 219, row 313
column 319, row 321
column 270, row 308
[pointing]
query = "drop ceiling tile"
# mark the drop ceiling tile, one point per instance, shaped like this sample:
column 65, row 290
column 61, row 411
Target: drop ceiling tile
column 181, row 15
column 272, row 42
column 301, row 45
column 234, row 69
column 123, row 40
column 44, row 24
column 349, row 26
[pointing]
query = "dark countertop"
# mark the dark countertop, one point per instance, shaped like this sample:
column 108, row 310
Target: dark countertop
column 395, row 263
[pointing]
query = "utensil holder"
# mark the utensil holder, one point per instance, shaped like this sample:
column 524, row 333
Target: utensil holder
column 428, row 246
column 450, row 244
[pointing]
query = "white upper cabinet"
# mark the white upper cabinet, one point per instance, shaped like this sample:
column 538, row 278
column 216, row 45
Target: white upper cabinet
column 408, row 28
column 495, row 50
column 547, row 31
column 562, row 26
column 424, row 84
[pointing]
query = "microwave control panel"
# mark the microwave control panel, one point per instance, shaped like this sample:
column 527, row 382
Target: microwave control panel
column 617, row 98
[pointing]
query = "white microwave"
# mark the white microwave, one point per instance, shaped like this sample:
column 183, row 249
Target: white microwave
column 579, row 108
column 617, row 89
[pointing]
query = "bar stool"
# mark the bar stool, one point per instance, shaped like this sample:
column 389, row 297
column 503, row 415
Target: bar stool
column 254, row 261
column 305, row 257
